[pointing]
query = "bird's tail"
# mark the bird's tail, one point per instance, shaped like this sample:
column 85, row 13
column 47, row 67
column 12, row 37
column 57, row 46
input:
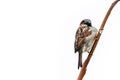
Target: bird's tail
column 80, row 59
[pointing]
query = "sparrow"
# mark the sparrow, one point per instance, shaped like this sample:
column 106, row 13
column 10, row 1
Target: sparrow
column 84, row 39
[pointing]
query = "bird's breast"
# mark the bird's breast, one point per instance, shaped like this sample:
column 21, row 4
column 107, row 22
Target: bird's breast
column 88, row 45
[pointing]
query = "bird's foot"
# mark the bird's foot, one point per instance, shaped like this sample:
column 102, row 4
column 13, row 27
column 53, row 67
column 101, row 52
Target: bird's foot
column 89, row 53
column 96, row 38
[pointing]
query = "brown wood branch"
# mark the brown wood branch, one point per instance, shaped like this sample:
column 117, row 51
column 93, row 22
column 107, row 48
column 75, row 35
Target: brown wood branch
column 83, row 70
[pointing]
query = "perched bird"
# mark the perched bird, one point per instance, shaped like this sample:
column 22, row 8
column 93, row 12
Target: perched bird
column 84, row 39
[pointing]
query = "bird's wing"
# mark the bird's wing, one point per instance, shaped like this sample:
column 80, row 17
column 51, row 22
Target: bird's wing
column 80, row 38
column 81, row 34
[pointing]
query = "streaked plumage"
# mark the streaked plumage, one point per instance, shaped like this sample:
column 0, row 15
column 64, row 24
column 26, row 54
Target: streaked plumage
column 84, row 39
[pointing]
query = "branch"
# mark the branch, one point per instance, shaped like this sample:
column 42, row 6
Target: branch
column 83, row 70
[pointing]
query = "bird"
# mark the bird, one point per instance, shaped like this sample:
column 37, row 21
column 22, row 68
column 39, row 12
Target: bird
column 84, row 39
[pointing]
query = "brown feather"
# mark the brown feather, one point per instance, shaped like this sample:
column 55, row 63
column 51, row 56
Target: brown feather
column 80, row 36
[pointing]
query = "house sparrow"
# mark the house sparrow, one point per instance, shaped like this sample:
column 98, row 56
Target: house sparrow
column 84, row 39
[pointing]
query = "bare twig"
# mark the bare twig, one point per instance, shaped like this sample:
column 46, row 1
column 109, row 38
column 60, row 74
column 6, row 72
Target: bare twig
column 83, row 70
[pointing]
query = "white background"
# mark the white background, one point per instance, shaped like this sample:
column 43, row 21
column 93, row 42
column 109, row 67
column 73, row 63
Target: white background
column 37, row 39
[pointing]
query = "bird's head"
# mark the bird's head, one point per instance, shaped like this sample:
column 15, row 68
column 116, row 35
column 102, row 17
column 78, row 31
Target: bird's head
column 86, row 22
